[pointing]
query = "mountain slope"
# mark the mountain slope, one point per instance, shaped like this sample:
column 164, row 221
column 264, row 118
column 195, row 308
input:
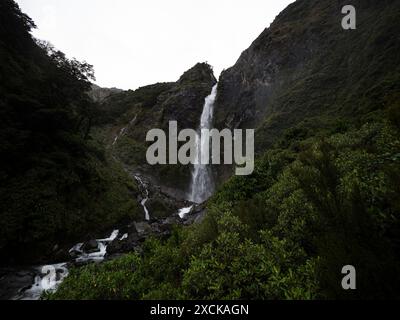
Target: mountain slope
column 325, row 191
column 131, row 114
column 305, row 65
column 56, row 184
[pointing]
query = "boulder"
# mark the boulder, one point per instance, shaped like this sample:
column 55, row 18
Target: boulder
column 143, row 228
column 90, row 246
column 12, row 282
column 129, row 244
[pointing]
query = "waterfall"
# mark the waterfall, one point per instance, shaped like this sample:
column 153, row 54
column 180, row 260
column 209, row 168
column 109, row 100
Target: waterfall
column 202, row 183
column 143, row 203
column 119, row 135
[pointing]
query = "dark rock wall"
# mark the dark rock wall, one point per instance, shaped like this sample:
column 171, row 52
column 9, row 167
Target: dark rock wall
column 306, row 65
column 137, row 112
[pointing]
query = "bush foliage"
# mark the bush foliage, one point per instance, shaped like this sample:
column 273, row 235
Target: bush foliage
column 283, row 233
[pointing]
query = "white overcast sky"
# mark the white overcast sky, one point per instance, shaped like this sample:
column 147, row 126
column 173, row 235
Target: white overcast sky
column 132, row 43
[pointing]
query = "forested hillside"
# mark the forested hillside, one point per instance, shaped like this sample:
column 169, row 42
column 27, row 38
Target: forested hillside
column 324, row 194
column 325, row 191
column 56, row 182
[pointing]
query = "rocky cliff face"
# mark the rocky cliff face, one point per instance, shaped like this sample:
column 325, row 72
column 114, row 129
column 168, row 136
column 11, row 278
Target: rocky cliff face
column 181, row 101
column 131, row 114
column 307, row 65
column 99, row 94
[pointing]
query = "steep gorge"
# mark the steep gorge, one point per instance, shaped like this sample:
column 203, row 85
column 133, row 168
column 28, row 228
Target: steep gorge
column 324, row 103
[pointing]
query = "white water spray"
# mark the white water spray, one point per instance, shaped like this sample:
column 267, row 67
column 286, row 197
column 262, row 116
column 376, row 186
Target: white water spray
column 49, row 277
column 143, row 203
column 202, row 183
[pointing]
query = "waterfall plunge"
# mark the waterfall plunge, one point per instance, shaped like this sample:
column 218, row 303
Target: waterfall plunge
column 202, row 182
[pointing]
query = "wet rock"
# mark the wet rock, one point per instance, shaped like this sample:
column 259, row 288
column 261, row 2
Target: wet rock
column 75, row 253
column 161, row 205
column 159, row 208
column 12, row 282
column 61, row 255
column 90, row 246
column 173, row 220
column 161, row 230
column 130, row 243
column 142, row 228
column 196, row 215
column 123, row 246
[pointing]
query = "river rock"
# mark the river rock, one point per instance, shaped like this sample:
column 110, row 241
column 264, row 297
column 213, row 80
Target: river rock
column 143, row 228
column 130, row 244
column 90, row 246
column 11, row 282
column 61, row 255
column 196, row 215
column 74, row 253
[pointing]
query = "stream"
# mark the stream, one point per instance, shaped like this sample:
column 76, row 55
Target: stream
column 49, row 277
column 143, row 202
column 30, row 283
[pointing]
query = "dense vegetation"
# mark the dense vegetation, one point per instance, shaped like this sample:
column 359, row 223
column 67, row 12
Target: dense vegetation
column 324, row 194
column 313, row 205
column 56, row 183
